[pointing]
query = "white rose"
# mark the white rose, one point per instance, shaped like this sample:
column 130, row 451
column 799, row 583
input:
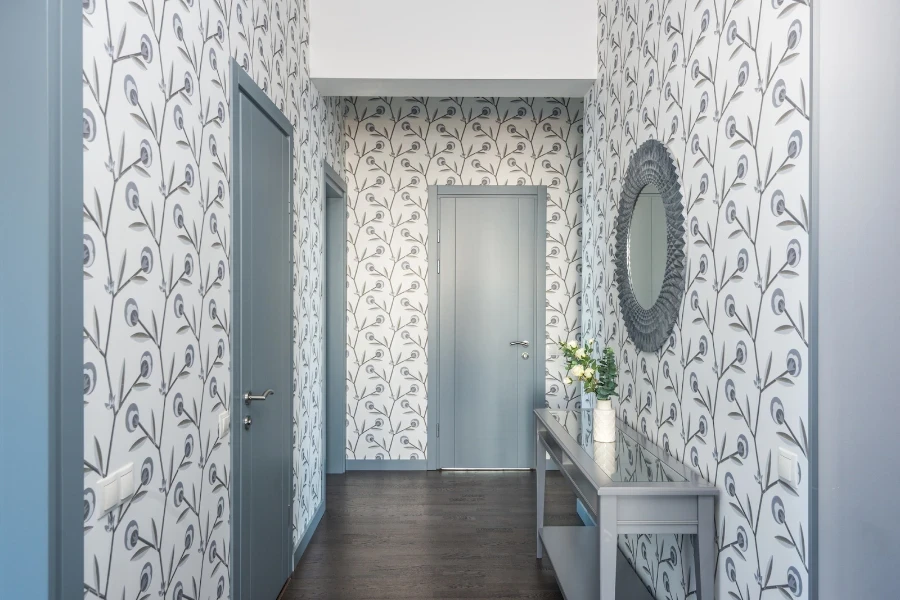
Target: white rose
column 590, row 342
column 580, row 353
column 573, row 344
column 578, row 371
column 588, row 373
column 568, row 381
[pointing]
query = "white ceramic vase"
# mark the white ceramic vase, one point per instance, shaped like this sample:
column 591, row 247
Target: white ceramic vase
column 605, row 456
column 604, row 421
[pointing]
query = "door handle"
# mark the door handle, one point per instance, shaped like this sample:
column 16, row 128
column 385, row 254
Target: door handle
column 522, row 343
column 250, row 397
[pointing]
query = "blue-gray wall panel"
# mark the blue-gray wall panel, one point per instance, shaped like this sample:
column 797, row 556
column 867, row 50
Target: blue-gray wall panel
column 40, row 302
column 858, row 83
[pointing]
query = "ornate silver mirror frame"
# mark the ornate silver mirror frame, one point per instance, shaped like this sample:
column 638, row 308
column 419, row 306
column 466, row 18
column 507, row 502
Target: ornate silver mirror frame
column 650, row 327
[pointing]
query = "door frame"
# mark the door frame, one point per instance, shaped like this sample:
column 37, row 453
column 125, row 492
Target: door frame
column 435, row 192
column 335, row 190
column 242, row 83
column 41, row 343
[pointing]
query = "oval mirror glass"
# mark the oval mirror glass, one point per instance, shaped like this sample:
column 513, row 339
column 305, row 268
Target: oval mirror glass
column 647, row 246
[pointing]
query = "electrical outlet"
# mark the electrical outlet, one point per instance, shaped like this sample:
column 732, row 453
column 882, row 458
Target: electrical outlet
column 787, row 466
column 224, row 424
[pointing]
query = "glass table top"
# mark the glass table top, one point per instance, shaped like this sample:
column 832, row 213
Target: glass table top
column 628, row 459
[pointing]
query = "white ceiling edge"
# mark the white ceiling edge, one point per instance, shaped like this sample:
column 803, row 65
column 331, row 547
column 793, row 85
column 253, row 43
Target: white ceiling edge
column 456, row 88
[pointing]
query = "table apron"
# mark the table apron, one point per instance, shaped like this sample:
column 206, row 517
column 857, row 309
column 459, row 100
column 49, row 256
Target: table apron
column 648, row 527
column 660, row 510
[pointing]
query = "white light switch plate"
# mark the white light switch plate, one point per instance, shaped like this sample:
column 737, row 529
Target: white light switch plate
column 224, row 423
column 126, row 482
column 108, row 489
column 787, row 466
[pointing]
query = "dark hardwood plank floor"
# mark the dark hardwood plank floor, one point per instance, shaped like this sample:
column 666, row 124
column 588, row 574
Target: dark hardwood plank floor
column 418, row 535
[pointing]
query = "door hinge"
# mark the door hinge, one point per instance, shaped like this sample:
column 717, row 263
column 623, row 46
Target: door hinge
column 439, row 266
column 439, row 236
column 438, row 430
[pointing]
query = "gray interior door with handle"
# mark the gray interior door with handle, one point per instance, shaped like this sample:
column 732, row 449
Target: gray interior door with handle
column 490, row 325
column 262, row 346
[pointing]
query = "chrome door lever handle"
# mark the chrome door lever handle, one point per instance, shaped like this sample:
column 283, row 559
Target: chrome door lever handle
column 522, row 343
column 250, row 397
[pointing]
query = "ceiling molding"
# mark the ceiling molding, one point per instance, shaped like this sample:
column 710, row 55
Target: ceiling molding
column 504, row 88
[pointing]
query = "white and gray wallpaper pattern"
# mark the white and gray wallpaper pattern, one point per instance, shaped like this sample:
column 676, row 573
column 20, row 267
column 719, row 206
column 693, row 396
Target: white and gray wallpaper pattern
column 396, row 147
column 157, row 263
column 724, row 84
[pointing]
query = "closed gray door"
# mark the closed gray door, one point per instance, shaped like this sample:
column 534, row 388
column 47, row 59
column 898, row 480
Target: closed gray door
column 263, row 351
column 487, row 294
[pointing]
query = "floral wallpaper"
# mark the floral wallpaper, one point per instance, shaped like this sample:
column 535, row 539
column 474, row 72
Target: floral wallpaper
column 157, row 263
column 724, row 85
column 396, row 148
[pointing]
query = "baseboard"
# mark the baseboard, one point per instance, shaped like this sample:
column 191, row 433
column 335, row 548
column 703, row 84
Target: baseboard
column 584, row 514
column 310, row 530
column 385, row 465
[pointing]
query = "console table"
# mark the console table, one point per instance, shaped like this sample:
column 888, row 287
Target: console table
column 627, row 486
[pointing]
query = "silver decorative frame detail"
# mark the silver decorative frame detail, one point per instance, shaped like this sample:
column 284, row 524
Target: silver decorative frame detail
column 649, row 328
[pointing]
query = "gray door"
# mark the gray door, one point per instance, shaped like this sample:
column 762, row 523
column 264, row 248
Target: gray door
column 487, row 249
column 262, row 346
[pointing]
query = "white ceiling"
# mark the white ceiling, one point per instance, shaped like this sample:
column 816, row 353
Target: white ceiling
column 453, row 47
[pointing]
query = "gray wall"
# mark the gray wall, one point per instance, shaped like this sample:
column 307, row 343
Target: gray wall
column 858, row 85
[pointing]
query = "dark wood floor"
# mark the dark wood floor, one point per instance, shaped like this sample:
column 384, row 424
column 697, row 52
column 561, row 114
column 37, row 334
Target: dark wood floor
column 425, row 535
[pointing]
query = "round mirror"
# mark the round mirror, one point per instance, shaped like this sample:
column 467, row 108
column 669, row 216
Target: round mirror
column 650, row 246
column 647, row 246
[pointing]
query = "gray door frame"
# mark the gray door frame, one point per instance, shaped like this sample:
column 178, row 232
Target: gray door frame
column 243, row 84
column 41, row 315
column 538, row 351
column 813, row 301
column 334, row 193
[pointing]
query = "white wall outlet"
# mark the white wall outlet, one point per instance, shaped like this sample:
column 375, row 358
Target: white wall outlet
column 126, row 482
column 108, row 489
column 224, row 423
column 787, row 466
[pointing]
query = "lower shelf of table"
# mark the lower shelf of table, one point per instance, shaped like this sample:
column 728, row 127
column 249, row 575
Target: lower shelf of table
column 574, row 555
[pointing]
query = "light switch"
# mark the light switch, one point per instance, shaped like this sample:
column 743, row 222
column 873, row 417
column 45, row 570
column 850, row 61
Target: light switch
column 224, row 423
column 787, row 466
column 126, row 482
column 109, row 492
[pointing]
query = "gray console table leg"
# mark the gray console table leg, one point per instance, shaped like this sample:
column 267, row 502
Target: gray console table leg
column 705, row 548
column 607, row 528
column 540, row 465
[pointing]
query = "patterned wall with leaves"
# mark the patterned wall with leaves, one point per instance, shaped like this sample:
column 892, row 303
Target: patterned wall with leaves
column 157, row 258
column 396, row 147
column 724, row 84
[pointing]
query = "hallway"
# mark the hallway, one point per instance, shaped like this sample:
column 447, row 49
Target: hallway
column 417, row 535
